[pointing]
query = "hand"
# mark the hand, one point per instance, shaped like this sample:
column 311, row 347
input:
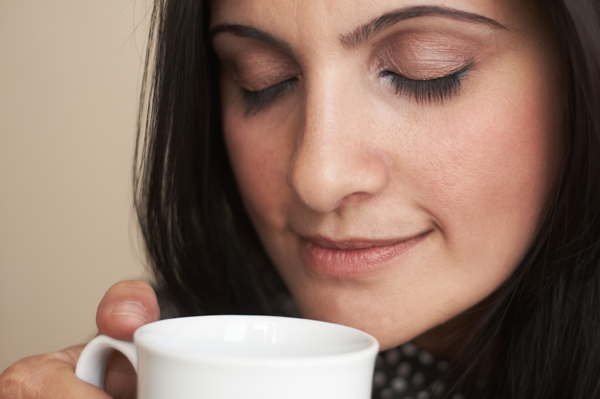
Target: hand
column 126, row 306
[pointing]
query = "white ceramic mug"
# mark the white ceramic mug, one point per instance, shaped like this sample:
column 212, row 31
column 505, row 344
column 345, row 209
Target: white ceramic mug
column 235, row 357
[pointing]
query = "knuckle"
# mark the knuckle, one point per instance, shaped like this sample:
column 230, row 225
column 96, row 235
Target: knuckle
column 11, row 387
column 29, row 377
column 22, row 379
column 130, row 290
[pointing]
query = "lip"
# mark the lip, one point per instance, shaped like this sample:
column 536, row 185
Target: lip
column 354, row 257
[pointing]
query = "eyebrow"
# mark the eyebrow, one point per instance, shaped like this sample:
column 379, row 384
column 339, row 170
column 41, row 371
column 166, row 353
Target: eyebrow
column 372, row 28
column 366, row 31
column 250, row 32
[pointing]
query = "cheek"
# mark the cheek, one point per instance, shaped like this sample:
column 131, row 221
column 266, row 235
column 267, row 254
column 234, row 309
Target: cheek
column 492, row 166
column 260, row 150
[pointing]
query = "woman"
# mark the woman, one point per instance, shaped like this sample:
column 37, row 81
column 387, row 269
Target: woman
column 418, row 170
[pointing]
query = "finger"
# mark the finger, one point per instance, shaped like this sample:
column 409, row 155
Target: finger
column 120, row 379
column 126, row 306
column 47, row 376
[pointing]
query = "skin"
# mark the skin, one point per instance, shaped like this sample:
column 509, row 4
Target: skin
column 342, row 156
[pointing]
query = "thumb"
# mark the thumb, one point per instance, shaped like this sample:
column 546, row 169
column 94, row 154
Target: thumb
column 126, row 306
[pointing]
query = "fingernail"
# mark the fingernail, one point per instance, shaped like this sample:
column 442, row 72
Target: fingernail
column 130, row 308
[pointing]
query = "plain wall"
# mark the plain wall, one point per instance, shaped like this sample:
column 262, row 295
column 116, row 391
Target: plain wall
column 70, row 73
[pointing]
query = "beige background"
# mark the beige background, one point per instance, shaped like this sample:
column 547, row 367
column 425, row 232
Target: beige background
column 69, row 82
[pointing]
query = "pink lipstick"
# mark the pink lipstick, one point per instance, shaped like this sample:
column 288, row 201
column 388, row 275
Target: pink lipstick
column 353, row 257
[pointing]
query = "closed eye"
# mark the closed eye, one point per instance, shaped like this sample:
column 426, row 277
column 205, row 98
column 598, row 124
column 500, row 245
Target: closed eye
column 435, row 90
column 257, row 100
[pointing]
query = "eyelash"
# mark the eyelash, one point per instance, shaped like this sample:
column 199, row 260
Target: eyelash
column 435, row 90
column 257, row 100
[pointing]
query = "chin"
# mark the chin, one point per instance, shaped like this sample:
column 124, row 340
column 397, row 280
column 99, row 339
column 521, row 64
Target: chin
column 387, row 327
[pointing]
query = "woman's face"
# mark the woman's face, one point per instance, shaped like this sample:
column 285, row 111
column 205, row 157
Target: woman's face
column 395, row 156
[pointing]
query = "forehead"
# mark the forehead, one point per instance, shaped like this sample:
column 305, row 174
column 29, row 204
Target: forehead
column 298, row 20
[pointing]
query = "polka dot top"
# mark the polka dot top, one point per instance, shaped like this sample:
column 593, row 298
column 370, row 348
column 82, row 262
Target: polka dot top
column 406, row 372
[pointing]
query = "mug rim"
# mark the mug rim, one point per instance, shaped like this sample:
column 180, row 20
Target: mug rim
column 370, row 349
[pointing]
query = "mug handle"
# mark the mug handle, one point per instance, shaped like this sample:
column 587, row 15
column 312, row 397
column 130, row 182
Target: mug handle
column 92, row 361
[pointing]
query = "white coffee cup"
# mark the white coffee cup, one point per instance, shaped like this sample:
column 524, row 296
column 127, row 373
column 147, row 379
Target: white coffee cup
column 250, row 357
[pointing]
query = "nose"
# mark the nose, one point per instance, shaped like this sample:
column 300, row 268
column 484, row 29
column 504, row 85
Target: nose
column 336, row 157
